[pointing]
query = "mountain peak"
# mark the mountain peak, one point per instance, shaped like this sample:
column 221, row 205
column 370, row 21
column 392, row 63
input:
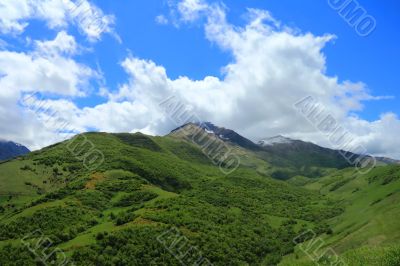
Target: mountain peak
column 222, row 133
column 10, row 149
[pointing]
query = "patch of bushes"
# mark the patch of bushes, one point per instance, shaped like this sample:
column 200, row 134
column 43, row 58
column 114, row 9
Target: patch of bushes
column 340, row 184
column 135, row 198
column 376, row 202
column 389, row 179
column 51, row 221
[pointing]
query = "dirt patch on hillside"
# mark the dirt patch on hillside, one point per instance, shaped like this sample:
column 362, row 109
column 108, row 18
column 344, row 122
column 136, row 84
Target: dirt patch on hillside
column 96, row 177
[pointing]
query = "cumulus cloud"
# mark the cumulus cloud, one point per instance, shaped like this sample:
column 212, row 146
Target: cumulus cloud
column 62, row 44
column 89, row 19
column 49, row 70
column 273, row 67
column 43, row 70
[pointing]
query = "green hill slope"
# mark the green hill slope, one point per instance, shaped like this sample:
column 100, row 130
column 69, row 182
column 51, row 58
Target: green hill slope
column 145, row 186
column 368, row 231
column 161, row 201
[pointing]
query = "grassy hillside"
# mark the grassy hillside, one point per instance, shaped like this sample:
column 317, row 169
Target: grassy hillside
column 146, row 185
column 122, row 213
column 368, row 231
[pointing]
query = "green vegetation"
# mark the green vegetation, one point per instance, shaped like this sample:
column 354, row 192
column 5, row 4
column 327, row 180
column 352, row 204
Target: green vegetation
column 147, row 185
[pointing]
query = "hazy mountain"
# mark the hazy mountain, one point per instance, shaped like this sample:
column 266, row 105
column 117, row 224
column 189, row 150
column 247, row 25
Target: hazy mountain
column 386, row 160
column 299, row 150
column 301, row 153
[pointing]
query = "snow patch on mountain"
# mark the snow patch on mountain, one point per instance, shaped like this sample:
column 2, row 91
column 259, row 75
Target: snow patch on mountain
column 275, row 140
column 209, row 131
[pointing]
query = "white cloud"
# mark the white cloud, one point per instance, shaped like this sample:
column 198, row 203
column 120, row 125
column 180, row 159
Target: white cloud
column 48, row 69
column 42, row 72
column 62, row 44
column 12, row 13
column 379, row 137
column 162, row 20
column 273, row 67
column 190, row 10
column 90, row 20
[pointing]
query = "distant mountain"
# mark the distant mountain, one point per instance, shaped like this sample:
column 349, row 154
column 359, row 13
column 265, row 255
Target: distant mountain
column 278, row 156
column 278, row 151
column 298, row 149
column 386, row 160
column 301, row 153
column 9, row 149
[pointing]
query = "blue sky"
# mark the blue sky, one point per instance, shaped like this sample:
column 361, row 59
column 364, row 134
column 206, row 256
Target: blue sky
column 108, row 72
column 372, row 59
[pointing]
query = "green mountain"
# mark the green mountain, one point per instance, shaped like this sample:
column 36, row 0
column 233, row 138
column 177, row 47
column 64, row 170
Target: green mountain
column 132, row 199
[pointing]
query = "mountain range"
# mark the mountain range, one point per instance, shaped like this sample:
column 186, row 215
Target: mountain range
column 134, row 199
column 289, row 156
